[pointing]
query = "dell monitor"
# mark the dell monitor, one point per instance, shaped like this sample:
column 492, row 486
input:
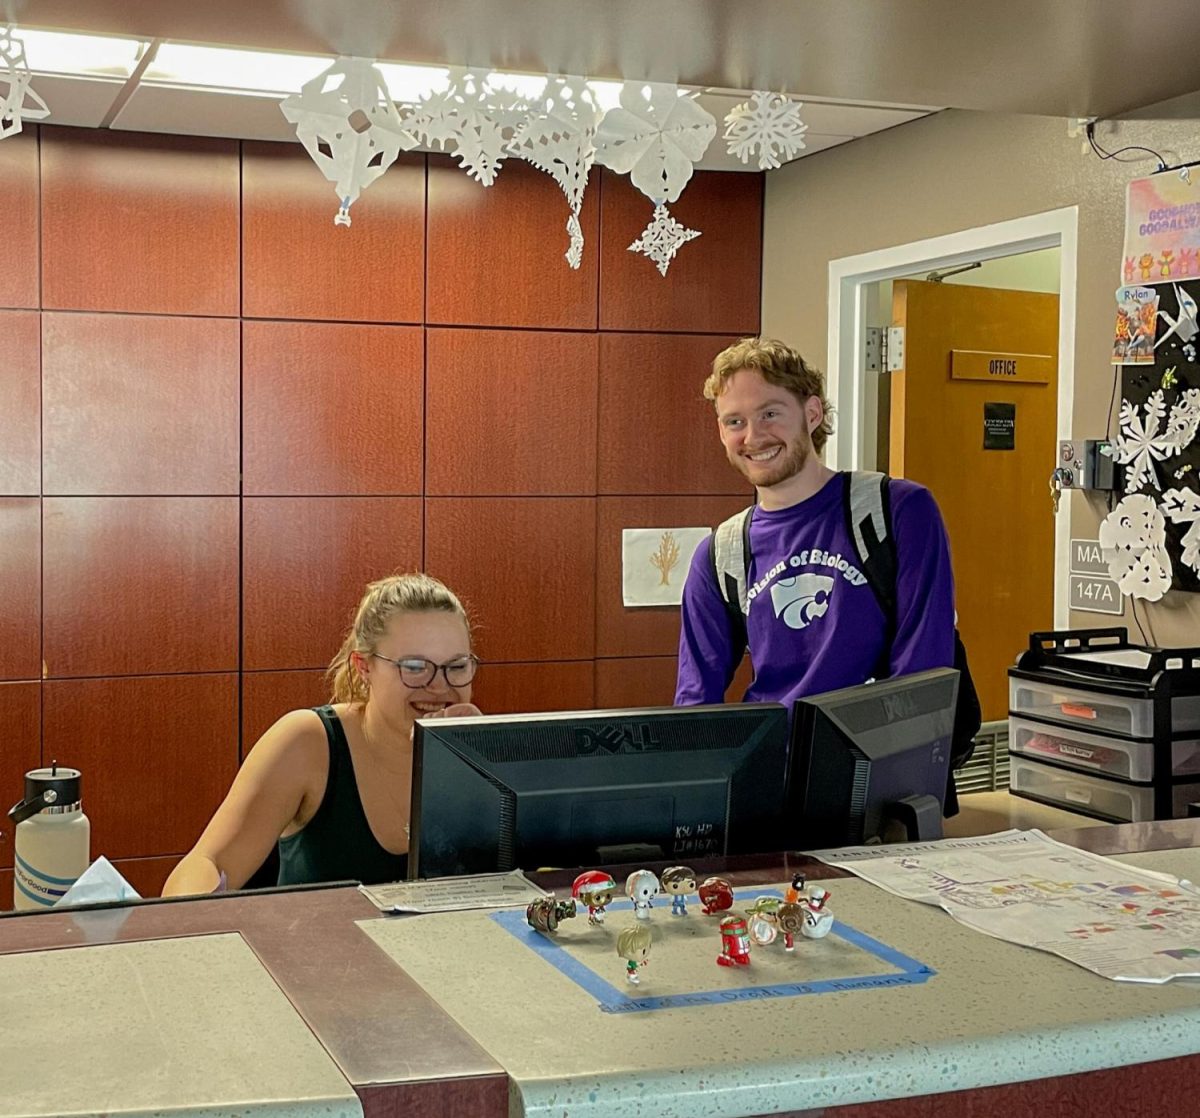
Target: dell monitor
column 865, row 756
column 580, row 788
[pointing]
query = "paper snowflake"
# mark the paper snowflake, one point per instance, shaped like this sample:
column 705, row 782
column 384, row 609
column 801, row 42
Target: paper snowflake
column 656, row 136
column 475, row 119
column 1133, row 542
column 769, row 123
column 1182, row 506
column 1140, row 444
column 1184, row 420
column 19, row 102
column 662, row 238
column 559, row 137
column 347, row 122
column 575, row 233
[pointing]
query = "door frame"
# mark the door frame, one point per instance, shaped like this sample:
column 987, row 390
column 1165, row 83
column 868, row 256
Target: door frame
column 849, row 275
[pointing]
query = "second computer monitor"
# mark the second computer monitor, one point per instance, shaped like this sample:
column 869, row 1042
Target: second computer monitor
column 582, row 788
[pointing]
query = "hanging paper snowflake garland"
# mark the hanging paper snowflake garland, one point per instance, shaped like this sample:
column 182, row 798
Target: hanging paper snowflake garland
column 662, row 238
column 1182, row 506
column 1145, row 440
column 1133, row 543
column 768, row 123
column 476, row 120
column 558, row 137
column 656, row 137
column 19, row 102
column 347, row 122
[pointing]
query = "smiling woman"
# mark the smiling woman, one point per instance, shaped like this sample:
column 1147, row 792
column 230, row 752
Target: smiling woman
column 332, row 785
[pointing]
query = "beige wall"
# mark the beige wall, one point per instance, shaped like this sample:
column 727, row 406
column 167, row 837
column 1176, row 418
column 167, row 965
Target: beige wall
column 953, row 171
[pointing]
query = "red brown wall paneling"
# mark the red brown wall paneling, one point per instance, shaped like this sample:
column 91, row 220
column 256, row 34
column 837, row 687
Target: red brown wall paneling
column 649, row 681
column 658, row 435
column 20, row 588
column 139, row 223
column 527, row 688
column 19, row 189
column 267, row 696
column 139, row 404
column 511, row 412
column 21, row 717
column 331, row 408
column 714, row 284
column 298, row 264
column 20, row 416
column 306, row 563
column 524, row 566
column 496, row 253
column 140, row 585
column 157, row 753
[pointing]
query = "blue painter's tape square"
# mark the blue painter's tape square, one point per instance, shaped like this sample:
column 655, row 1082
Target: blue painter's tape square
column 612, row 999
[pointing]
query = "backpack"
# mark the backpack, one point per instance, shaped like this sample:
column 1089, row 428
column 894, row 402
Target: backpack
column 868, row 512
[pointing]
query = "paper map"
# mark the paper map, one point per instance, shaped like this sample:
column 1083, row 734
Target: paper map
column 1121, row 922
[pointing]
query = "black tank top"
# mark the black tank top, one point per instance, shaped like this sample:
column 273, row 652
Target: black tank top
column 337, row 844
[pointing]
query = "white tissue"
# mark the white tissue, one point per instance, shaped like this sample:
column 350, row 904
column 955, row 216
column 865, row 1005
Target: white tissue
column 98, row 884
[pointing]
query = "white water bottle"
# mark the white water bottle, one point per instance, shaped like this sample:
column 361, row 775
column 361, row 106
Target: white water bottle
column 52, row 840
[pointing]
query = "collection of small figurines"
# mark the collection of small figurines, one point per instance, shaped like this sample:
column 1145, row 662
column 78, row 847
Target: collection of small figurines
column 798, row 913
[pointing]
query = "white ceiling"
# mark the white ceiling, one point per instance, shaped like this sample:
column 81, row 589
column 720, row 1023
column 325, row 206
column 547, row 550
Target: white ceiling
column 860, row 65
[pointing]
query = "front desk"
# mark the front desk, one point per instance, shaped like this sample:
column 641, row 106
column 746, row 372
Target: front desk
column 465, row 1023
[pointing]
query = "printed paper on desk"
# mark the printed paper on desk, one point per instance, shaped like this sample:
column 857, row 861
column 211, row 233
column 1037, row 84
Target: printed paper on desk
column 1119, row 921
column 450, row 894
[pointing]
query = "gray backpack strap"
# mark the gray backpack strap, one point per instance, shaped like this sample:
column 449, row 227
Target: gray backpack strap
column 730, row 555
column 868, row 510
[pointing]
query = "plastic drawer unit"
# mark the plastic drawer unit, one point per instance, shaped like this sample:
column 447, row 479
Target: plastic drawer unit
column 1104, row 727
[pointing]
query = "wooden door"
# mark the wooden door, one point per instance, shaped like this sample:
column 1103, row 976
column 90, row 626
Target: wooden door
column 971, row 353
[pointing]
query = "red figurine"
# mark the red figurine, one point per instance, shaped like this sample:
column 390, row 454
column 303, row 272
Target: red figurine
column 716, row 895
column 595, row 889
column 790, row 918
column 735, row 942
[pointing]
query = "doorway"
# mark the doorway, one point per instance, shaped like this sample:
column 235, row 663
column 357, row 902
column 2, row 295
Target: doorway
column 931, row 424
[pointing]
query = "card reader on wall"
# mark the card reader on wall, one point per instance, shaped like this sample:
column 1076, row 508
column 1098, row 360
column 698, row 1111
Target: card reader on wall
column 1083, row 465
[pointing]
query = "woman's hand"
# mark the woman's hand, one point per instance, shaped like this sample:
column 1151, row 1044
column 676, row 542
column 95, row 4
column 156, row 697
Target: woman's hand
column 458, row 710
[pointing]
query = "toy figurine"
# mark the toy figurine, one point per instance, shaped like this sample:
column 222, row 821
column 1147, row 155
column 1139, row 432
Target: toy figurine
column 641, row 887
column 633, row 945
column 795, row 891
column 735, row 942
column 542, row 915
column 716, row 895
column 679, row 881
column 595, row 889
column 763, row 924
column 790, row 918
column 817, row 918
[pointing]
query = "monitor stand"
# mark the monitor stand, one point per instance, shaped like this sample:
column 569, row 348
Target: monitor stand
column 920, row 816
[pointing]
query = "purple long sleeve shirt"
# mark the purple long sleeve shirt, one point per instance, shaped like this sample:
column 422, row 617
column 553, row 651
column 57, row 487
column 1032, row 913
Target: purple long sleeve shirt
column 814, row 624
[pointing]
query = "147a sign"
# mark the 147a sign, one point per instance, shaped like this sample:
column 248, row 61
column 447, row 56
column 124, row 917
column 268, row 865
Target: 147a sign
column 1090, row 587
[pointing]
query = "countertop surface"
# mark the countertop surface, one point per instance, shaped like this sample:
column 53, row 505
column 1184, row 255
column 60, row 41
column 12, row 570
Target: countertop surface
column 992, row 1013
column 172, row 1027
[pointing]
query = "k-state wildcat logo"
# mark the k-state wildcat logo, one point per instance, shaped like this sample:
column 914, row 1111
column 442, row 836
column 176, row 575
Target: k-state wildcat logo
column 801, row 599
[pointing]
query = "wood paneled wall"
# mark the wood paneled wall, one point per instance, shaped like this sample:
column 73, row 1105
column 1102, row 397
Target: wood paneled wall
column 223, row 416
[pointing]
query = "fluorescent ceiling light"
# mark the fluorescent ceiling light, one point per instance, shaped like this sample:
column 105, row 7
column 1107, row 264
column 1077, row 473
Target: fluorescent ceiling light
column 63, row 52
column 232, row 68
column 409, row 83
column 528, row 86
column 607, row 93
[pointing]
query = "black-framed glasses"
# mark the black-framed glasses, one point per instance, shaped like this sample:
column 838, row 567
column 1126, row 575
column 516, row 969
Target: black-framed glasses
column 415, row 671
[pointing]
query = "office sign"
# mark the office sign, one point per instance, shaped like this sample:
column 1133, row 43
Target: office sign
column 1089, row 587
column 1008, row 368
column 999, row 426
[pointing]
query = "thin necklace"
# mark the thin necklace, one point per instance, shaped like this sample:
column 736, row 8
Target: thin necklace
column 371, row 746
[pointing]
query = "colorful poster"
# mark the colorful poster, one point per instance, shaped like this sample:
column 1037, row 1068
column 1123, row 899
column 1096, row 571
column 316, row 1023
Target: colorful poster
column 1137, row 315
column 1162, row 229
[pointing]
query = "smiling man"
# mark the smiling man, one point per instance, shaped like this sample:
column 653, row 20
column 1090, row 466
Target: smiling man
column 810, row 616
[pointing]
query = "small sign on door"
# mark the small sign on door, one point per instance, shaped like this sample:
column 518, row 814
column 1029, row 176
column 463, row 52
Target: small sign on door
column 1089, row 587
column 999, row 426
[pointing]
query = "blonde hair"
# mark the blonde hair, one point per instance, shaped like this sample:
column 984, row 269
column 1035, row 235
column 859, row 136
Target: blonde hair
column 780, row 365
column 383, row 600
column 632, row 940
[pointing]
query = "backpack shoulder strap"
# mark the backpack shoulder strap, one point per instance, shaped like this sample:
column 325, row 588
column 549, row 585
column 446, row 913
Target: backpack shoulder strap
column 868, row 511
column 730, row 555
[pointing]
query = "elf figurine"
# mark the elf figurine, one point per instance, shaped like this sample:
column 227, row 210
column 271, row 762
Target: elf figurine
column 633, row 945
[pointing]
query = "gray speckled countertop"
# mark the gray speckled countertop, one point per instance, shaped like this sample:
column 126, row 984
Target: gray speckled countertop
column 993, row 1013
column 177, row 1028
